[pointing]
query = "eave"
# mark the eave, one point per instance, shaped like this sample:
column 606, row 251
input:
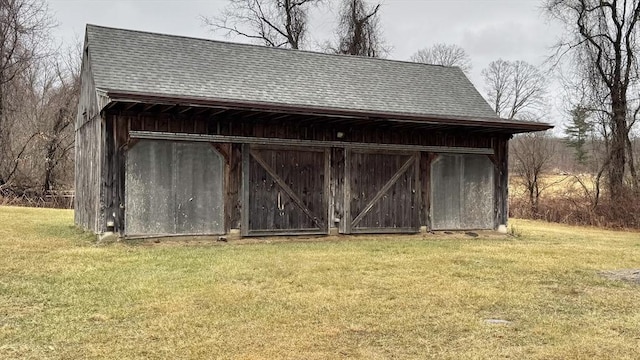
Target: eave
column 113, row 97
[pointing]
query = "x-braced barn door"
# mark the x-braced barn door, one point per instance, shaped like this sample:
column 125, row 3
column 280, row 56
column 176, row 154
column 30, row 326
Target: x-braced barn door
column 286, row 191
column 382, row 192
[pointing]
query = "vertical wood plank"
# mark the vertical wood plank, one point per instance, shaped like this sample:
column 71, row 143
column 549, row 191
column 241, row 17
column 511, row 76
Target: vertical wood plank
column 244, row 228
column 234, row 196
column 417, row 191
column 327, row 189
column 346, row 219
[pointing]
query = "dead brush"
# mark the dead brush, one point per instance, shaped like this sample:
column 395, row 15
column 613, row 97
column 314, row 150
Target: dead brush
column 574, row 208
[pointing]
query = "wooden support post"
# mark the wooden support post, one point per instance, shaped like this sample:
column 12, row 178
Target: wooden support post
column 327, row 189
column 345, row 222
column 244, row 206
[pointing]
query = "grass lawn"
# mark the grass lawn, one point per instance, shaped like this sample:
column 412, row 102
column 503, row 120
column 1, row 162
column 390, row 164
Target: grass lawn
column 62, row 296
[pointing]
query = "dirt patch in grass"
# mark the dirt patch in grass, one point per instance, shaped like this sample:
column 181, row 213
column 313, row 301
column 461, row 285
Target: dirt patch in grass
column 630, row 275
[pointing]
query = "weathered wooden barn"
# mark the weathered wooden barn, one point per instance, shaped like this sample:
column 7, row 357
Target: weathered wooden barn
column 184, row 136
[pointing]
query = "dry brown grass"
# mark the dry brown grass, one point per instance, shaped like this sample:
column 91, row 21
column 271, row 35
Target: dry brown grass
column 557, row 186
column 408, row 297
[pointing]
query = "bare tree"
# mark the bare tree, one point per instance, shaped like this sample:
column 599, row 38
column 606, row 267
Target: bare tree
column 531, row 155
column 514, row 88
column 602, row 40
column 57, row 131
column 277, row 23
column 444, row 54
column 42, row 129
column 359, row 30
column 24, row 26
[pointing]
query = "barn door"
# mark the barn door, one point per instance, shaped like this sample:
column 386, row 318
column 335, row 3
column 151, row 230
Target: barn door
column 462, row 192
column 174, row 188
column 382, row 192
column 285, row 191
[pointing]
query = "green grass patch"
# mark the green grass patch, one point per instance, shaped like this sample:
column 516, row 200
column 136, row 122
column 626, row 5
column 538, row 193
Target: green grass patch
column 63, row 296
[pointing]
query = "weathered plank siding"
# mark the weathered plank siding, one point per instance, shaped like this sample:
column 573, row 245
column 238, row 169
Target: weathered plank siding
column 501, row 163
column 89, row 142
column 88, row 168
column 384, row 192
column 404, row 206
column 323, row 129
column 286, row 190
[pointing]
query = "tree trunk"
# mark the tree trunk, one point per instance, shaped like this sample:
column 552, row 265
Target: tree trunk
column 632, row 165
column 618, row 146
column 3, row 139
column 532, row 203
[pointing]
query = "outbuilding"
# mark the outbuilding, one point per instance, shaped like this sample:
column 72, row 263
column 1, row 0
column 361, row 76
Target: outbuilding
column 185, row 136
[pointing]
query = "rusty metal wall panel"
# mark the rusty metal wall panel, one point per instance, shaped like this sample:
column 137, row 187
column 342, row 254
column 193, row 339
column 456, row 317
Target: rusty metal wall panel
column 149, row 198
column 462, row 192
column 174, row 188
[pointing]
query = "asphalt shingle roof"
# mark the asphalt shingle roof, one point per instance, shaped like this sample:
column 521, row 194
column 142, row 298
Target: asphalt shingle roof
column 166, row 65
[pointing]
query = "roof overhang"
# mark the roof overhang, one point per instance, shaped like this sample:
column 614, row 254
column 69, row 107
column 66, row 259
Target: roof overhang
column 113, row 97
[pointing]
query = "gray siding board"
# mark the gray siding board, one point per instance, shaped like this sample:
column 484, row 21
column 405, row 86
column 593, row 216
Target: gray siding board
column 88, row 170
column 88, row 107
column 88, row 212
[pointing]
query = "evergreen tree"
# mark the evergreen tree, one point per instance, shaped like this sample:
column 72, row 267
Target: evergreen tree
column 577, row 133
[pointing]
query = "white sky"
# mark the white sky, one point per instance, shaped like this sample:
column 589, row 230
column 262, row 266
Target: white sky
column 486, row 29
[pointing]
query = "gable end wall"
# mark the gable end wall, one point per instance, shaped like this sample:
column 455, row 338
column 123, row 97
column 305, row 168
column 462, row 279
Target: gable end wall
column 88, row 154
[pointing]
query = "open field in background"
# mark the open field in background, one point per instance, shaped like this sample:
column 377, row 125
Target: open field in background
column 62, row 296
column 557, row 186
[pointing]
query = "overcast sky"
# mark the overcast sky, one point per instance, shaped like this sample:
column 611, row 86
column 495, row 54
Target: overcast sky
column 486, row 29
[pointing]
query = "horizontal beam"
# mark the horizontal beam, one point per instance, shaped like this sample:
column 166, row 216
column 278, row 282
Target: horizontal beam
column 155, row 135
column 389, row 230
column 289, row 232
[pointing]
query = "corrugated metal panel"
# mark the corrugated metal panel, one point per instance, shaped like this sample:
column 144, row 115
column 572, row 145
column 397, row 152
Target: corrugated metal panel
column 462, row 192
column 174, row 188
column 149, row 207
column 199, row 199
column 445, row 192
column 477, row 201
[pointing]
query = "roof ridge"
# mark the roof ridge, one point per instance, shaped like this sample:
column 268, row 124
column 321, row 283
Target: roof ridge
column 301, row 51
